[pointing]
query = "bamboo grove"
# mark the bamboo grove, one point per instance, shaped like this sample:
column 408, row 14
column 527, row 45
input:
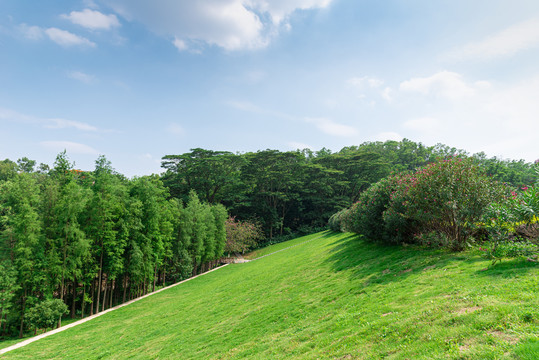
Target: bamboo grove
column 96, row 239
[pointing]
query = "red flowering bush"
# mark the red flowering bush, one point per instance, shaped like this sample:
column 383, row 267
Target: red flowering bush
column 241, row 235
column 446, row 198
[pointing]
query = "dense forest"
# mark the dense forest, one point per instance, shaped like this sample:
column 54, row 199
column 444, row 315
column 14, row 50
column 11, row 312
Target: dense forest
column 297, row 191
column 93, row 240
column 90, row 239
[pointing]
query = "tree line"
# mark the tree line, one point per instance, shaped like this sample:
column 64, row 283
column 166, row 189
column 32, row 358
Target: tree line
column 94, row 239
column 297, row 191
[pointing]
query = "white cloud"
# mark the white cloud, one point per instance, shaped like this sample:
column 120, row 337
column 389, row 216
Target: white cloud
column 10, row 115
column 365, row 81
column 280, row 10
column 80, row 76
column 245, row 106
column 180, row 44
column 423, row 124
column 370, row 86
column 384, row 136
column 298, row 145
column 92, row 19
column 499, row 118
column 31, row 32
column 445, row 84
column 175, row 129
column 429, row 128
column 90, row 4
column 507, row 42
column 66, row 124
column 330, row 127
column 65, row 38
column 387, row 94
column 151, row 158
column 229, row 24
column 69, row 146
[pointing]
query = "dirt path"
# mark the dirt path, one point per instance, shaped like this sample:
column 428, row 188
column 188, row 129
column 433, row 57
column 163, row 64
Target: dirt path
column 239, row 259
column 82, row 321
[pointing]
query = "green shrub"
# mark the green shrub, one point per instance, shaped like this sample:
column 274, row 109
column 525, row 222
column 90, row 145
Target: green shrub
column 450, row 197
column 499, row 250
column 335, row 222
column 45, row 314
column 515, row 216
column 366, row 216
column 446, row 198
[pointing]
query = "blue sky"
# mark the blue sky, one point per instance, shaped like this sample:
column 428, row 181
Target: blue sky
column 138, row 79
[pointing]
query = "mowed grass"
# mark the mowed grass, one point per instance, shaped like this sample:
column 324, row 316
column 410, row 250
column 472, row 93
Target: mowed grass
column 334, row 297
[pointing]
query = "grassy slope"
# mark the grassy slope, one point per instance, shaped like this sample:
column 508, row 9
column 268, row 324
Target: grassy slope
column 333, row 297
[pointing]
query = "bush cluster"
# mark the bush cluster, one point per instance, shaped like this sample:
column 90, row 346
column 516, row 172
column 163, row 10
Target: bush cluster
column 442, row 202
column 513, row 224
column 241, row 235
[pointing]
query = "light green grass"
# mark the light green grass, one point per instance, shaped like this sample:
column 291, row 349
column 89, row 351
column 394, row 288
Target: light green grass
column 332, row 297
column 66, row 320
column 284, row 245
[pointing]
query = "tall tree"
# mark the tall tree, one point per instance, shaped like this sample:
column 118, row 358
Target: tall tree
column 108, row 237
column 213, row 175
column 21, row 234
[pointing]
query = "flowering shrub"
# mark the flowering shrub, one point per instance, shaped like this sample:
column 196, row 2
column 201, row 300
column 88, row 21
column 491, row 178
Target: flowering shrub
column 446, row 198
column 241, row 235
column 513, row 224
column 517, row 214
column 450, row 197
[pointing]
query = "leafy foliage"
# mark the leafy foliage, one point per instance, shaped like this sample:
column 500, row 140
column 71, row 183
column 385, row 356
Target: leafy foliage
column 241, row 235
column 447, row 197
column 46, row 314
column 92, row 240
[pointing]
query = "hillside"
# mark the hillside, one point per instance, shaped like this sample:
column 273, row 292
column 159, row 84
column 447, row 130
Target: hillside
column 332, row 297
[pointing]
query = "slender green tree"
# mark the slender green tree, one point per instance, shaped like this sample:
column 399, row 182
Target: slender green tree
column 21, row 235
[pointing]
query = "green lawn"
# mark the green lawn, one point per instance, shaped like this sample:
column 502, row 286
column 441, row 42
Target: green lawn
column 334, row 297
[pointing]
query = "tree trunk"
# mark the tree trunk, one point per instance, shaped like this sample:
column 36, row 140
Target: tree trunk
column 21, row 330
column 125, row 287
column 99, row 279
column 154, row 277
column 282, row 220
column 92, row 294
column 111, row 292
column 74, row 303
column 194, row 267
column 104, row 296
column 5, row 328
column 83, row 300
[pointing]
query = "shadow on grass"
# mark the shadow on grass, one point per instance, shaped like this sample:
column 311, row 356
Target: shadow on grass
column 509, row 268
column 379, row 263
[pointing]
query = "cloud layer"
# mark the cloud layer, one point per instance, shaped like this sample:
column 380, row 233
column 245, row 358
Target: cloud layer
column 59, row 36
column 516, row 38
column 92, row 19
column 55, row 123
column 229, row 24
column 70, row 146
